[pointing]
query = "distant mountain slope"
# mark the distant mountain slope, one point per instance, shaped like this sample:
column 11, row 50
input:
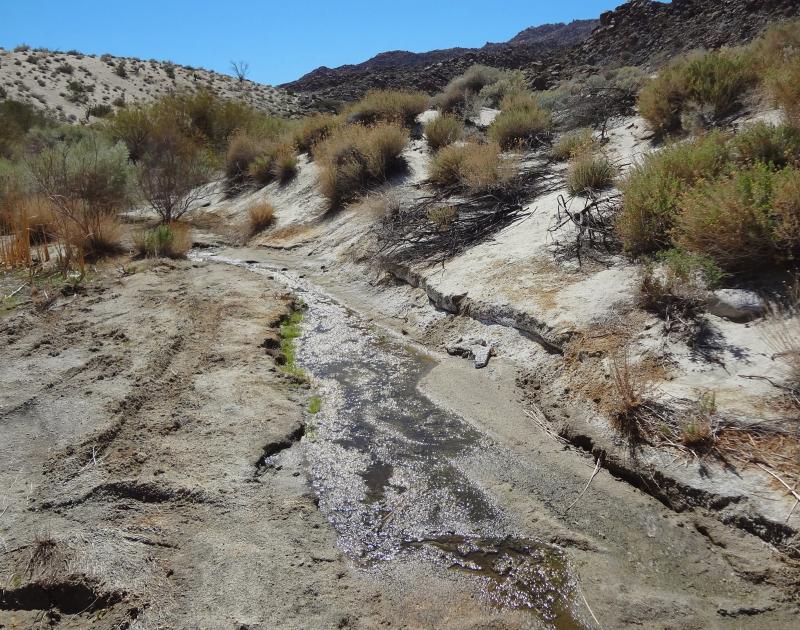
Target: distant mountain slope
column 429, row 71
column 647, row 33
column 69, row 84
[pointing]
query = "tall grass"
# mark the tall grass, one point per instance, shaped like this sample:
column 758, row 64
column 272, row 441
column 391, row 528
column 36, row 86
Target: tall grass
column 388, row 106
column 354, row 157
column 259, row 217
column 166, row 240
column 589, row 173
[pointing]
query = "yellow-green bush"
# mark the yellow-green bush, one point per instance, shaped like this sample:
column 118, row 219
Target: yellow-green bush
column 274, row 162
column 778, row 145
column 355, row 156
column 713, row 81
column 391, row 106
column 740, row 221
column 475, row 79
column 652, row 189
column 475, row 167
column 784, row 85
column 521, row 120
column 589, row 173
column 443, row 130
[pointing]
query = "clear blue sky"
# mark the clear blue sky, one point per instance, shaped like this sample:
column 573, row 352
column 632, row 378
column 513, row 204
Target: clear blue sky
column 281, row 39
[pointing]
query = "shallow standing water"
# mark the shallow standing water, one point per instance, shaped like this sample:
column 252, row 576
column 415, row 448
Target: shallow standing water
column 392, row 469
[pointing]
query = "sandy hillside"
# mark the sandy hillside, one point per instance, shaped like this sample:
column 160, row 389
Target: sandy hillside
column 69, row 84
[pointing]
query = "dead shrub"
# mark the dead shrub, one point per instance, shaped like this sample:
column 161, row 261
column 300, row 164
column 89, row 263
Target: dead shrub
column 589, row 173
column 356, row 156
column 259, row 217
column 388, row 106
column 443, row 131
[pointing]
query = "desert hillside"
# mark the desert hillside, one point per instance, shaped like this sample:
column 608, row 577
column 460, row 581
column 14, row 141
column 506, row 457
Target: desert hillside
column 77, row 87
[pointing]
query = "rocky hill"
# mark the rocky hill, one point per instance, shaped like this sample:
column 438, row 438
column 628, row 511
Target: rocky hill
column 647, row 33
column 640, row 32
column 430, row 71
column 75, row 87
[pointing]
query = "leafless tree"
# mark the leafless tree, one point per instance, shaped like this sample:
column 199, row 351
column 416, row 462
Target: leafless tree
column 240, row 69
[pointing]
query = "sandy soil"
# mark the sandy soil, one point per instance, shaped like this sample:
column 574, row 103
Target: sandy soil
column 134, row 416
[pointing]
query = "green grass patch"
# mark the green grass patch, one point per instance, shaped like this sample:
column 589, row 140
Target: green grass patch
column 290, row 331
column 314, row 405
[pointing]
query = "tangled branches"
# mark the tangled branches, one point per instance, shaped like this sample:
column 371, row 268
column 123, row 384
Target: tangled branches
column 438, row 227
column 593, row 224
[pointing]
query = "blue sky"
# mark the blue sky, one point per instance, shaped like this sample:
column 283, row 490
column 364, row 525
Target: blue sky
column 281, row 39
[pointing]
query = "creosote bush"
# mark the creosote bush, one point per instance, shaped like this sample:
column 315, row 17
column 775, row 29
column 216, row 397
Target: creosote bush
column 259, row 217
column 778, row 145
column 521, row 121
column 744, row 220
column 168, row 240
column 443, row 130
column 712, row 82
column 589, row 173
column 472, row 166
column 388, row 106
column 653, row 187
column 354, row 157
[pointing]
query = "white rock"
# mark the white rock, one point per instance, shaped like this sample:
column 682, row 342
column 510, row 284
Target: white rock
column 738, row 305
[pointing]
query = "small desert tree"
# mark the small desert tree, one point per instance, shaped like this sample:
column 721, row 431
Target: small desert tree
column 172, row 172
column 240, row 70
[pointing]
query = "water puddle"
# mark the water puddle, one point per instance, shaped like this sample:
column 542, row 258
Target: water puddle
column 394, row 472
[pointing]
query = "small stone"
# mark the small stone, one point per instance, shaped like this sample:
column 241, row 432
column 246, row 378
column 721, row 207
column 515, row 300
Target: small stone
column 738, row 305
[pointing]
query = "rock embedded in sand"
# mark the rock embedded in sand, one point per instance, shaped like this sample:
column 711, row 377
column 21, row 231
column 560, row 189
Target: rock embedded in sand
column 738, row 305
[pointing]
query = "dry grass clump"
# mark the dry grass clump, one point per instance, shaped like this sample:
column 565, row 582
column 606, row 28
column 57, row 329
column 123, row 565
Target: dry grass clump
column 631, row 390
column 309, row 131
column 276, row 162
column 388, row 106
column 713, row 82
column 652, row 190
column 784, row 85
column 459, row 90
column 589, row 173
column 572, row 144
column 168, row 240
column 744, row 220
column 782, row 334
column 521, row 122
column 243, row 149
column 443, row 131
column 355, row 156
column 777, row 145
column 472, row 166
column 259, row 217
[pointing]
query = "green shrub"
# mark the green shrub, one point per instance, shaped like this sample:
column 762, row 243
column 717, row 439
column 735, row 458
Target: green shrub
column 121, row 70
column 743, row 220
column 473, row 167
column 100, row 110
column 778, row 45
column 572, row 144
column 714, row 81
column 390, row 106
column 16, row 119
column 443, row 130
column 770, row 144
column 510, row 82
column 652, row 189
column 166, row 240
column 520, row 122
column 353, row 157
column 589, row 173
column 784, row 85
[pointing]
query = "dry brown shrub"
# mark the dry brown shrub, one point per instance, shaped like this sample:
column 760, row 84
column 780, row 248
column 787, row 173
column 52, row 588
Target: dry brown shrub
column 259, row 217
column 631, row 391
column 472, row 166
